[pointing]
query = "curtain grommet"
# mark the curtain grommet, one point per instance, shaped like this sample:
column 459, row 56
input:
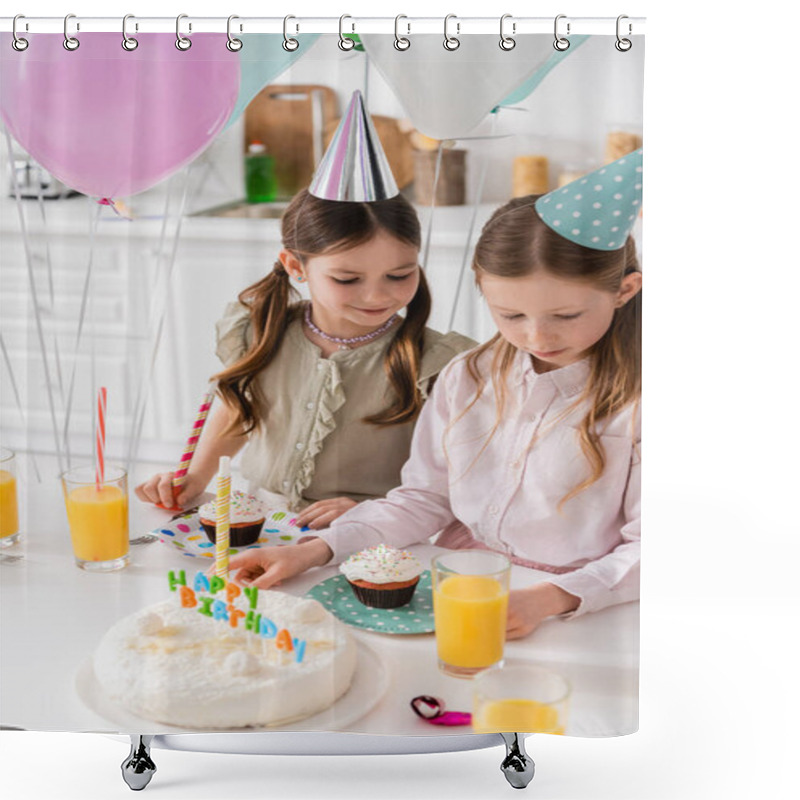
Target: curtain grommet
column 451, row 43
column 71, row 43
column 507, row 42
column 233, row 44
column 401, row 43
column 560, row 43
column 345, row 44
column 182, row 42
column 18, row 42
column 129, row 43
column 289, row 44
column 622, row 44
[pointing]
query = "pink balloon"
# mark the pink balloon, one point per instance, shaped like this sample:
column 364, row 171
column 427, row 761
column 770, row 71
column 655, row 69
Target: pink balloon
column 109, row 122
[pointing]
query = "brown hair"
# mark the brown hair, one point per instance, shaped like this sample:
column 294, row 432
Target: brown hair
column 515, row 242
column 309, row 227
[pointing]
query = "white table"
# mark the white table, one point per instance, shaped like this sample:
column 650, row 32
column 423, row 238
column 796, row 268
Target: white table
column 54, row 614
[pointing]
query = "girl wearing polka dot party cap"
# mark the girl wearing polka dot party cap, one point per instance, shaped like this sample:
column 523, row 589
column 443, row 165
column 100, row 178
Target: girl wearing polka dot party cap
column 530, row 443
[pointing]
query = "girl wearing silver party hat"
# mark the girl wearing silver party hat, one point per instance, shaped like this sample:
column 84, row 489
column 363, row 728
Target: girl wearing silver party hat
column 325, row 393
column 529, row 444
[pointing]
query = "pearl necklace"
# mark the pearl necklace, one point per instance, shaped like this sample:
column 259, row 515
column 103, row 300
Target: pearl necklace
column 345, row 344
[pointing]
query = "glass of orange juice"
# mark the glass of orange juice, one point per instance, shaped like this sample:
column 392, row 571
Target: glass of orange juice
column 9, row 510
column 98, row 517
column 520, row 698
column 470, row 605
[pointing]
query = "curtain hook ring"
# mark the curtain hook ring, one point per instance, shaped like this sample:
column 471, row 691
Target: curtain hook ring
column 560, row 43
column 345, row 44
column 289, row 44
column 401, row 42
column 128, row 42
column 233, row 44
column 451, row 43
column 17, row 42
column 507, row 42
column 623, row 45
column 182, row 42
column 70, row 42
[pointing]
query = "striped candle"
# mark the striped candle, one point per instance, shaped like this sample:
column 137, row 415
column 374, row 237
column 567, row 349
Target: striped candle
column 223, row 517
column 100, row 438
column 179, row 478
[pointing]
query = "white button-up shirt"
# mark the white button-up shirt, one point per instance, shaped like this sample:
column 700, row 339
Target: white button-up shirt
column 504, row 493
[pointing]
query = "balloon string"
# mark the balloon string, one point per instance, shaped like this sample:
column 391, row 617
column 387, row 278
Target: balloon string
column 429, row 232
column 35, row 300
column 144, row 386
column 87, row 281
column 475, row 209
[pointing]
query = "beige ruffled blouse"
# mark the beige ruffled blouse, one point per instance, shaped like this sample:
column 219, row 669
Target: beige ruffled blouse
column 315, row 445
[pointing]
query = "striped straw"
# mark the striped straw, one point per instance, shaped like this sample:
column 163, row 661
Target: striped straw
column 223, row 518
column 100, row 437
column 179, row 478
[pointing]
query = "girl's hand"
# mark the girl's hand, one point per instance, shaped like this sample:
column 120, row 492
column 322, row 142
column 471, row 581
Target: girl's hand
column 268, row 566
column 158, row 490
column 323, row 512
column 528, row 608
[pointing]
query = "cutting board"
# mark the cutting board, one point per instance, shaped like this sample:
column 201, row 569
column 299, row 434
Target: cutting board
column 291, row 121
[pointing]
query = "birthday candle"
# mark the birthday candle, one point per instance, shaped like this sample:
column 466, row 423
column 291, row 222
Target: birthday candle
column 223, row 516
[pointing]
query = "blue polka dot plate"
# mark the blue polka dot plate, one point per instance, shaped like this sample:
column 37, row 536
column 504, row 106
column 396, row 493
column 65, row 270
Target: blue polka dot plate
column 416, row 617
column 184, row 532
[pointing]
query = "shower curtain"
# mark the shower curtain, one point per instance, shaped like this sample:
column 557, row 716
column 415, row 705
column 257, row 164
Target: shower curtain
column 144, row 179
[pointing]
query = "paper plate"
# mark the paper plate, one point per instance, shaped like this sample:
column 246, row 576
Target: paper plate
column 185, row 533
column 416, row 617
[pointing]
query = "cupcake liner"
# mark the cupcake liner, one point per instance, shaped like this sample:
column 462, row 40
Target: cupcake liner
column 384, row 598
column 239, row 535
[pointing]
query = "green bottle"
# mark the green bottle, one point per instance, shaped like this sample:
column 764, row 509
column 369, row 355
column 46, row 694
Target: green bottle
column 259, row 174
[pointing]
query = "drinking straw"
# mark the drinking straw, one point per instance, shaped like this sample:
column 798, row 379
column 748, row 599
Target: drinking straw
column 179, row 478
column 100, row 437
column 223, row 516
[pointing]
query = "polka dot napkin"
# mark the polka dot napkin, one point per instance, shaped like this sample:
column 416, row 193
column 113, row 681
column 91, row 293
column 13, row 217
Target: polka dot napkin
column 599, row 209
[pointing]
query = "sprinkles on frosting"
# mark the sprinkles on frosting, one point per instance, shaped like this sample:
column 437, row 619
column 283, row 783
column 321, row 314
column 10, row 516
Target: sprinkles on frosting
column 243, row 508
column 381, row 564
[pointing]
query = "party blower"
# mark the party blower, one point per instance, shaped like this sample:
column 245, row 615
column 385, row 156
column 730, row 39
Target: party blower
column 487, row 590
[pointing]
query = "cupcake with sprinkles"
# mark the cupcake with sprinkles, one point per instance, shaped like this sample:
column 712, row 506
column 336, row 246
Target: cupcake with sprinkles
column 247, row 516
column 382, row 577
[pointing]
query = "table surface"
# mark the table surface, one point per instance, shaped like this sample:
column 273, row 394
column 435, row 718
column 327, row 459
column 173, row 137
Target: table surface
column 53, row 615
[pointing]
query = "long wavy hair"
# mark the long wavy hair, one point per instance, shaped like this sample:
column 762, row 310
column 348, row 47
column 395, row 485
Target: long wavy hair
column 514, row 243
column 310, row 227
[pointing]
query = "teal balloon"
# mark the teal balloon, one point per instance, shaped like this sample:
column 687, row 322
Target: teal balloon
column 262, row 58
column 522, row 91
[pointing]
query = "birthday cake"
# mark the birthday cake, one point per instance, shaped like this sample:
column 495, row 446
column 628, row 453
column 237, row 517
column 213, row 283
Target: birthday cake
column 216, row 656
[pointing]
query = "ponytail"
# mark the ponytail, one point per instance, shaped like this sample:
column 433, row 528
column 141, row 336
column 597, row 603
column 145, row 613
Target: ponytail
column 270, row 314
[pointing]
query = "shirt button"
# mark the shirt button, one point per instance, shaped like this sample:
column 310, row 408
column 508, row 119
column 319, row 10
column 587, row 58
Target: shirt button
column 286, row 484
column 309, row 406
column 299, row 446
column 493, row 509
column 320, row 365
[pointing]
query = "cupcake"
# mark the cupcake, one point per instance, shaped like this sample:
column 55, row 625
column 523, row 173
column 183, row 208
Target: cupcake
column 246, row 518
column 382, row 577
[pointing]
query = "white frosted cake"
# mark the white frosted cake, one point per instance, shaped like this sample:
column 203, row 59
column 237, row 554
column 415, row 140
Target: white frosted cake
column 181, row 666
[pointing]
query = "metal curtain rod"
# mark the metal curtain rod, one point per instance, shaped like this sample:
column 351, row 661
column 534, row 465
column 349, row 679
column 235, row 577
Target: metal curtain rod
column 463, row 26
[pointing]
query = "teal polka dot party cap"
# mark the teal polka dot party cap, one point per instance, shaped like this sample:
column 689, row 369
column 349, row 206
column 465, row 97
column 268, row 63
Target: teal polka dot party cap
column 599, row 209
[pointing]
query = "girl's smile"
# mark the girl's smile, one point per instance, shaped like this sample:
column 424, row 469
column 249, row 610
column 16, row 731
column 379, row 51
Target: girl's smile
column 356, row 290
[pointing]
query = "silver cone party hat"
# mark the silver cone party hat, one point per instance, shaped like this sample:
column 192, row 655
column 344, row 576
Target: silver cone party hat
column 354, row 168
